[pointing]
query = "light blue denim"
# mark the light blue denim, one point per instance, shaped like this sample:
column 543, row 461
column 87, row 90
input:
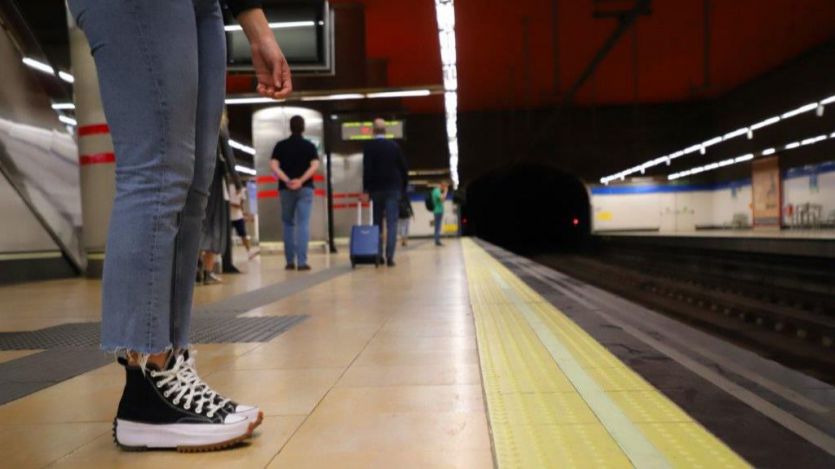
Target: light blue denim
column 439, row 223
column 387, row 205
column 162, row 71
column 295, row 217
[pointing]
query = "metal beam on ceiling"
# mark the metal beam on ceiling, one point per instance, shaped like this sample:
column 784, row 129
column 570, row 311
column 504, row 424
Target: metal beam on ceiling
column 626, row 18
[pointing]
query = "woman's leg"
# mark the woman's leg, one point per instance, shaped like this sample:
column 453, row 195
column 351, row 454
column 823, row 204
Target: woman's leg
column 211, row 72
column 146, row 57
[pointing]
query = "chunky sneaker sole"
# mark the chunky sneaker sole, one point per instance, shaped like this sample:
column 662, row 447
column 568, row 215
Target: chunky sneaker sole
column 252, row 414
column 171, row 408
column 184, row 437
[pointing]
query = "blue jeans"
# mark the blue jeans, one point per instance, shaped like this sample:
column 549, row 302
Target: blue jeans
column 387, row 203
column 162, row 72
column 439, row 223
column 295, row 216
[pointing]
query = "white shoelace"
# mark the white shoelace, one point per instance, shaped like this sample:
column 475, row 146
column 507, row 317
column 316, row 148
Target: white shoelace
column 183, row 381
column 190, row 368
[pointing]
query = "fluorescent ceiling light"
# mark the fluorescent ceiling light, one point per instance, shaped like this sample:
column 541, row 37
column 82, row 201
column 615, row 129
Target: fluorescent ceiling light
column 769, row 151
column 278, row 25
column 711, row 142
column 735, row 133
column 800, row 110
column 67, row 120
column 813, row 140
column 63, row 106
column 46, row 68
column 241, row 147
column 701, row 148
column 334, row 97
column 765, row 123
column 253, row 100
column 710, row 167
column 245, row 170
column 399, row 94
column 66, row 77
column 39, row 66
column 691, row 149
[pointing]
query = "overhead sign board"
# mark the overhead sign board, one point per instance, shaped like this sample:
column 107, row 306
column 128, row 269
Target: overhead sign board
column 365, row 130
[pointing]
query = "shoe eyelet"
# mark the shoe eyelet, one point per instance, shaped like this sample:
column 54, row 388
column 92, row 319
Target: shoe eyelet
column 187, row 406
column 210, row 415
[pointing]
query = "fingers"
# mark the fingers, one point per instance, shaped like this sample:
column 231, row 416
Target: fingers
column 281, row 78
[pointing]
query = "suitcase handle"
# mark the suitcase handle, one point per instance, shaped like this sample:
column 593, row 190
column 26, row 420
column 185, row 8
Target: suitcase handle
column 359, row 212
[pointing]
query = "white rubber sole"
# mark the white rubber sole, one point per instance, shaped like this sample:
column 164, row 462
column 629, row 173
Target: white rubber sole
column 253, row 414
column 182, row 436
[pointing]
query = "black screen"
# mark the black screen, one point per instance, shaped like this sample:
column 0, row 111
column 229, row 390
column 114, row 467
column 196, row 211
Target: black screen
column 299, row 28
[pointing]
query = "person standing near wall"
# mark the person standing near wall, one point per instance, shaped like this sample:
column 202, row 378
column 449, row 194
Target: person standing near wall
column 384, row 178
column 294, row 162
column 162, row 68
column 439, row 195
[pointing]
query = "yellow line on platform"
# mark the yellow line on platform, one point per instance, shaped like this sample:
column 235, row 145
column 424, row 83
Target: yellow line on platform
column 557, row 398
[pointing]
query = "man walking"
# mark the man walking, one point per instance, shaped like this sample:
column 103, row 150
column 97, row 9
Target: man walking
column 294, row 162
column 384, row 178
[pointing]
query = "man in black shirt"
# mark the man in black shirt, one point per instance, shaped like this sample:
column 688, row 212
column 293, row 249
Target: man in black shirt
column 294, row 162
column 384, row 179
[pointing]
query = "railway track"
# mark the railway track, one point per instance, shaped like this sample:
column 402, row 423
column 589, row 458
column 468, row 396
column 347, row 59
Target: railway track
column 779, row 310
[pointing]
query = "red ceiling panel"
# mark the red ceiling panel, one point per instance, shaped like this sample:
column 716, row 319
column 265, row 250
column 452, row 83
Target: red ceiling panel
column 747, row 37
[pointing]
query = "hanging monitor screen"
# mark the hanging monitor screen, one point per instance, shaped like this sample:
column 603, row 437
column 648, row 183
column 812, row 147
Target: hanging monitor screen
column 365, row 130
column 303, row 29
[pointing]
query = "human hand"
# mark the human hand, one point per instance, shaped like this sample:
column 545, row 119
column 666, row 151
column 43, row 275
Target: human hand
column 271, row 68
column 294, row 184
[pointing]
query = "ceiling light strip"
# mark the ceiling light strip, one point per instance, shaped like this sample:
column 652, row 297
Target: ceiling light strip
column 747, row 157
column 702, row 147
column 241, row 147
column 46, row 68
column 445, row 13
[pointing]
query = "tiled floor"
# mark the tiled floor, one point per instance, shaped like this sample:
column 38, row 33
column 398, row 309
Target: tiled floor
column 383, row 373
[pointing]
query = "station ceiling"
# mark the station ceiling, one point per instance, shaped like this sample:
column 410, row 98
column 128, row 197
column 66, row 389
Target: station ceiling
column 506, row 57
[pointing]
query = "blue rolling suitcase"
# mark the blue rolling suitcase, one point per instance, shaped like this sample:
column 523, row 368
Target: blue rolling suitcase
column 365, row 240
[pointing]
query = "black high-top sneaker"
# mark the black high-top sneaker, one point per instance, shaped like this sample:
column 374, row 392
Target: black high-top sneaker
column 166, row 409
column 253, row 414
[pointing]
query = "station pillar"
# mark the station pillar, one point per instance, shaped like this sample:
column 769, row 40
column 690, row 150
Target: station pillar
column 95, row 151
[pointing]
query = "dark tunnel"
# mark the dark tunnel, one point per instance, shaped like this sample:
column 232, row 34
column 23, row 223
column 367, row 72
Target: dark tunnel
column 528, row 208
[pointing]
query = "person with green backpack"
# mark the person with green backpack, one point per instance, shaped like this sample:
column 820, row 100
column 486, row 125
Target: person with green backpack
column 439, row 194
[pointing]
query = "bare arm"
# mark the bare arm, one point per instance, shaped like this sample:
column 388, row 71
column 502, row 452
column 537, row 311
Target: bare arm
column 278, row 172
column 314, row 165
column 271, row 68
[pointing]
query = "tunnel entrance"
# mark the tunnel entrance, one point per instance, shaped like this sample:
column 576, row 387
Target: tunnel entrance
column 528, row 208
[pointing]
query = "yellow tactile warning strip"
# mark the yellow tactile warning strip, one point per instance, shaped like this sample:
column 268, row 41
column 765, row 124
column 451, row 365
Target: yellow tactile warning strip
column 557, row 398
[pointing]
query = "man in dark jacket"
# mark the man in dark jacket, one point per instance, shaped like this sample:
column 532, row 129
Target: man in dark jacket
column 384, row 179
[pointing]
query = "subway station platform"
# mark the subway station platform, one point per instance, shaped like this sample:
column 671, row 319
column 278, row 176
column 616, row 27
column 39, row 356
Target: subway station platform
column 462, row 356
